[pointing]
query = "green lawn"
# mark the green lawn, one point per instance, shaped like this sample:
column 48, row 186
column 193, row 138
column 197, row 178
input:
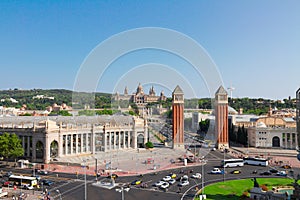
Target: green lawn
column 234, row 189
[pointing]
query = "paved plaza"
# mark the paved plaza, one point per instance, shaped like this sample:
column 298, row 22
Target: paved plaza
column 125, row 162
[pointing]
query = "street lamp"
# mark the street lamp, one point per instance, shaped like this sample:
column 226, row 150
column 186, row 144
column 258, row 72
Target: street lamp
column 59, row 194
column 203, row 196
column 85, row 189
column 224, row 163
column 122, row 191
column 33, row 169
column 21, row 185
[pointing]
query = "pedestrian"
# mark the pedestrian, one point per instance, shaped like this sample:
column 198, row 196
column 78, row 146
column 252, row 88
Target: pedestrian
column 13, row 197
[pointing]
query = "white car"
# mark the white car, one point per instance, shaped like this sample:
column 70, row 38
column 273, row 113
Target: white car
column 27, row 187
column 165, row 185
column 167, row 178
column 281, row 173
column 159, row 183
column 43, row 172
column 184, row 183
column 197, row 176
column 184, row 178
column 172, row 181
column 216, row 171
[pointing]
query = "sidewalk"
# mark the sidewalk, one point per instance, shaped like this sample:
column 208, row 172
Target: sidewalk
column 286, row 156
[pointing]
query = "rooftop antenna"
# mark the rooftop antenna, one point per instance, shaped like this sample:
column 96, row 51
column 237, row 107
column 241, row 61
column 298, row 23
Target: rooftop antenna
column 231, row 89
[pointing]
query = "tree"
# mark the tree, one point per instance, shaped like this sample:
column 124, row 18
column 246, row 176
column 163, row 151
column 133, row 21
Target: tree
column 232, row 133
column 242, row 135
column 61, row 112
column 10, row 146
column 204, row 125
column 87, row 112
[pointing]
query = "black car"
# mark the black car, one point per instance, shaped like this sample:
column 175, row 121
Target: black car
column 267, row 173
column 273, row 170
column 47, row 182
column 8, row 174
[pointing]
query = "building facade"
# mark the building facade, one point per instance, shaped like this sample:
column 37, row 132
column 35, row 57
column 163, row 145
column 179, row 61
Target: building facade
column 298, row 112
column 221, row 118
column 270, row 137
column 55, row 137
column 273, row 131
column 178, row 117
column 140, row 97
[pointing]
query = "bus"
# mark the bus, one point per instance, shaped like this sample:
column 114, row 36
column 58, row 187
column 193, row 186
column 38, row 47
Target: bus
column 232, row 163
column 256, row 161
column 23, row 180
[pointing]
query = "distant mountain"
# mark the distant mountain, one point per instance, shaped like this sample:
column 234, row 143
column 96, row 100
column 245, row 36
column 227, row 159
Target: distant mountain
column 39, row 99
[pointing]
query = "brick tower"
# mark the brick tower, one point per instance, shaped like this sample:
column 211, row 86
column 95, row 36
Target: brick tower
column 178, row 119
column 221, row 118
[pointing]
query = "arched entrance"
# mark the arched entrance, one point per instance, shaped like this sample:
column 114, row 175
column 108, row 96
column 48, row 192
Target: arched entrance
column 140, row 141
column 54, row 149
column 275, row 142
column 39, row 150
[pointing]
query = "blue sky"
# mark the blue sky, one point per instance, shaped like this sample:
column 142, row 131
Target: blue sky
column 254, row 44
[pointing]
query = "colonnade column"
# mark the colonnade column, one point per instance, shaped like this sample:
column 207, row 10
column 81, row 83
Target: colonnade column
column 47, row 150
column 76, row 143
column 33, row 148
column 81, row 142
column 93, row 141
column 60, row 145
column 71, row 143
column 86, row 142
column 119, row 139
column 128, row 132
column 109, row 141
column 114, row 142
column 285, row 141
column 291, row 139
column 124, row 140
column 66, row 144
column 23, row 142
column 105, row 142
column 28, row 145
column 296, row 140
column 134, row 139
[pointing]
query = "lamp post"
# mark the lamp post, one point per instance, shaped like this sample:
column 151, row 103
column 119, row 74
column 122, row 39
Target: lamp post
column 96, row 169
column 224, row 163
column 122, row 191
column 59, row 194
column 33, row 169
column 21, row 185
column 85, row 189
column 203, row 196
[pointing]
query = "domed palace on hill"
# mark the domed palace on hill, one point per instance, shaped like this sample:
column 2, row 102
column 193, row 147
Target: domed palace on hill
column 139, row 97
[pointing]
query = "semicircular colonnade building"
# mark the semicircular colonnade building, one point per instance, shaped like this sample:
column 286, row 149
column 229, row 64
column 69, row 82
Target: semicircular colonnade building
column 46, row 138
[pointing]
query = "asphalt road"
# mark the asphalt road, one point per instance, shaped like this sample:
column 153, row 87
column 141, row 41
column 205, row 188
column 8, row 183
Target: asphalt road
column 72, row 188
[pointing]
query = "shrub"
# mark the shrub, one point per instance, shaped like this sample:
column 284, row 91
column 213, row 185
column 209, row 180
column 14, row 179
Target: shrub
column 149, row 145
column 245, row 194
column 264, row 187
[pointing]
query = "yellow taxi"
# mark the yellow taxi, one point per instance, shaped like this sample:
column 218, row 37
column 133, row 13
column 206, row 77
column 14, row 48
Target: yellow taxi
column 173, row 175
column 136, row 182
